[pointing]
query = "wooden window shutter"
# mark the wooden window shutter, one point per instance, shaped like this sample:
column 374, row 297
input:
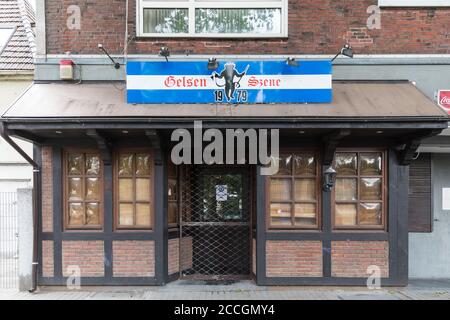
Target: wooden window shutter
column 420, row 194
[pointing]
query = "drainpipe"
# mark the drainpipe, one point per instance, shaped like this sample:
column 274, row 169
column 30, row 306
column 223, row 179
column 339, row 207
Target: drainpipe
column 4, row 133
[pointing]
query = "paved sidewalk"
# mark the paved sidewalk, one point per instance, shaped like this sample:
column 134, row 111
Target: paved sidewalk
column 184, row 290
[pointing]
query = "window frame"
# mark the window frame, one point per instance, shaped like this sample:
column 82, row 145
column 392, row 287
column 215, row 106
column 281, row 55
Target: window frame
column 293, row 177
column 65, row 187
column 384, row 192
column 116, row 200
column 191, row 5
column 414, row 3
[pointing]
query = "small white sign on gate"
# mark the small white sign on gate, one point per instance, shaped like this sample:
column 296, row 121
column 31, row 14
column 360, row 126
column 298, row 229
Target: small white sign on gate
column 221, row 193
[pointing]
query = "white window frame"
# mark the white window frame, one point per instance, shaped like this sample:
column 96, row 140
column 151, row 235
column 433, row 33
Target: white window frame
column 191, row 5
column 414, row 3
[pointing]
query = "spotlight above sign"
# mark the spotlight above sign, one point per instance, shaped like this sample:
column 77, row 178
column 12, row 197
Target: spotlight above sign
column 254, row 82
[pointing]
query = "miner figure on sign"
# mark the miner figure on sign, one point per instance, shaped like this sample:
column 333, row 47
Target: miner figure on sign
column 232, row 79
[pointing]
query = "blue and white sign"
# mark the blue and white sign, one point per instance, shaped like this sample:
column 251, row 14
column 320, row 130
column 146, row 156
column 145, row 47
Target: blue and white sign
column 232, row 82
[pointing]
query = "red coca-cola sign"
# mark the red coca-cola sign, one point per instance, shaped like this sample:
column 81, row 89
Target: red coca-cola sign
column 444, row 100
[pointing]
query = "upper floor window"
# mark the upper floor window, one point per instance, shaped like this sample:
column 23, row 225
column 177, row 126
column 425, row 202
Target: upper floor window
column 414, row 3
column 83, row 190
column 212, row 18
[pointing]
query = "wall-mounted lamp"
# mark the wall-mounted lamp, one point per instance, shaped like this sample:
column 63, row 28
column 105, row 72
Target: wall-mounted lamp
column 165, row 52
column 213, row 64
column 329, row 179
column 292, row 62
column 116, row 64
column 347, row 51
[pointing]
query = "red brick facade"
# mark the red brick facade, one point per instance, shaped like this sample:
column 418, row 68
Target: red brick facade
column 186, row 258
column 133, row 258
column 294, row 258
column 352, row 258
column 315, row 27
column 48, row 263
column 47, row 190
column 174, row 256
column 89, row 256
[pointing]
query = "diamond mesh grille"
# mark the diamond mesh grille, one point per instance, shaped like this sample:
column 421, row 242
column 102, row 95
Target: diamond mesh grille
column 215, row 222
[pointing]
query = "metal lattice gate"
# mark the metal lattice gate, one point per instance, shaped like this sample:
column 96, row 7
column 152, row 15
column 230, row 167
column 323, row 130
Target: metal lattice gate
column 8, row 240
column 215, row 223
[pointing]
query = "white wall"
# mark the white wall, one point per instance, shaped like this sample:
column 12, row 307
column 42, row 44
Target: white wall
column 15, row 172
column 429, row 253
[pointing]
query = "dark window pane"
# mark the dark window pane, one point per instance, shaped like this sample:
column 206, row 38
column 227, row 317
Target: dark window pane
column 172, row 189
column 173, row 213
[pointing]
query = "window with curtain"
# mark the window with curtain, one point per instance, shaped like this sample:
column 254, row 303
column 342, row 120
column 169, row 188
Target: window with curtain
column 294, row 192
column 134, row 189
column 360, row 191
column 83, row 190
column 213, row 18
column 172, row 194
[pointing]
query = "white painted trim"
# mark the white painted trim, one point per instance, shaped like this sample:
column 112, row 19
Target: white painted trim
column 414, row 3
column 191, row 5
column 41, row 47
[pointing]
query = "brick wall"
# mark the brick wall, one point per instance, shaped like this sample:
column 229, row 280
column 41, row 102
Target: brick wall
column 174, row 256
column 186, row 247
column 351, row 258
column 133, row 258
column 294, row 259
column 48, row 265
column 47, row 190
column 320, row 27
column 87, row 255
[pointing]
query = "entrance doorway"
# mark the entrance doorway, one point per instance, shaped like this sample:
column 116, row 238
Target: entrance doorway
column 215, row 223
